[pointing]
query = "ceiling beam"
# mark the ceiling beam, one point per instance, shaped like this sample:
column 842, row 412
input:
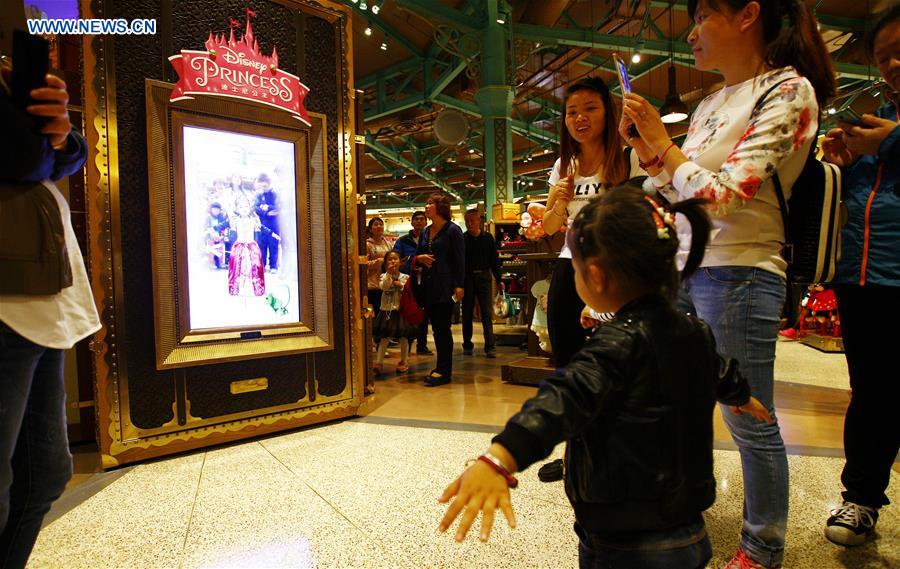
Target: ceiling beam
column 396, row 158
column 388, row 30
column 434, row 10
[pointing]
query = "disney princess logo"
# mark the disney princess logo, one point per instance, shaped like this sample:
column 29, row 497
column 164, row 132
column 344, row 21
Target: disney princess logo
column 236, row 68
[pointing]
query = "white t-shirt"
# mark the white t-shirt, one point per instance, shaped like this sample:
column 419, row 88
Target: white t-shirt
column 585, row 190
column 733, row 153
column 59, row 320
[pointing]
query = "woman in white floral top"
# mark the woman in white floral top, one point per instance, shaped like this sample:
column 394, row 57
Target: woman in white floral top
column 777, row 73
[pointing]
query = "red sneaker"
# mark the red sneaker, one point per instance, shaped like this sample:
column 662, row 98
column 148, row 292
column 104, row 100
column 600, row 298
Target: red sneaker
column 741, row 560
column 788, row 334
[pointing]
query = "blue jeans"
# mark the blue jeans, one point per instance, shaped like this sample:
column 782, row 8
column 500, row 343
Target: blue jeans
column 684, row 547
column 743, row 305
column 35, row 463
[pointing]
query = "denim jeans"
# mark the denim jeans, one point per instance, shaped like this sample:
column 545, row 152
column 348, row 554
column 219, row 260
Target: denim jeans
column 743, row 306
column 35, row 463
column 683, row 547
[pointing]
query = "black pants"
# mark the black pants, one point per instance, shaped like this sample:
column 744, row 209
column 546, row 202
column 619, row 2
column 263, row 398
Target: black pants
column 564, row 308
column 871, row 429
column 478, row 288
column 440, row 315
column 422, row 336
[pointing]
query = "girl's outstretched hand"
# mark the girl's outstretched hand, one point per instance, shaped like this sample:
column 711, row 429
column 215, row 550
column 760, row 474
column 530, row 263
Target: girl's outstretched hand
column 755, row 409
column 479, row 489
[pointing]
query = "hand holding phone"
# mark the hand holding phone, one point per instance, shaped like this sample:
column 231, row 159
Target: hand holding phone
column 31, row 62
column 625, row 85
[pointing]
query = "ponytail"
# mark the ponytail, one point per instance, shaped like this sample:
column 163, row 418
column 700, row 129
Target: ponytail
column 695, row 211
column 791, row 37
column 633, row 238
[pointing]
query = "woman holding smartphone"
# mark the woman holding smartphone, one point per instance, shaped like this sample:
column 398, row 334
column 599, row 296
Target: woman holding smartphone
column 777, row 73
column 442, row 254
column 868, row 287
column 592, row 158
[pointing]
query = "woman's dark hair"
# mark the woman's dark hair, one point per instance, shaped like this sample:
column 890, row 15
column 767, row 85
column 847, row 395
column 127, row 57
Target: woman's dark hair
column 889, row 17
column 371, row 223
column 441, row 205
column 615, row 168
column 619, row 232
column 798, row 43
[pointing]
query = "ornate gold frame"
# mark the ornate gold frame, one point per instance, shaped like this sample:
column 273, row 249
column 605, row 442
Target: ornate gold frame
column 178, row 344
column 119, row 439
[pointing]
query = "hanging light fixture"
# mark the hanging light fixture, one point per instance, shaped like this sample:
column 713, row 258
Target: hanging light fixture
column 673, row 110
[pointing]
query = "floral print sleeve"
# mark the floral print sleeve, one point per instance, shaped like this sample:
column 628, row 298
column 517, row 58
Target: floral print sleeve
column 779, row 126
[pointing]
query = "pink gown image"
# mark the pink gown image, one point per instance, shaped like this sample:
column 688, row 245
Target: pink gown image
column 245, row 269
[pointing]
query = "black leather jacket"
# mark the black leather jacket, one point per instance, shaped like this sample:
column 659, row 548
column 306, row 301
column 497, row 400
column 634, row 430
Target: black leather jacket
column 636, row 406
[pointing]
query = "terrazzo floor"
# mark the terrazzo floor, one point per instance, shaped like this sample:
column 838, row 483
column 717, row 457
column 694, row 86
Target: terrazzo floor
column 364, row 494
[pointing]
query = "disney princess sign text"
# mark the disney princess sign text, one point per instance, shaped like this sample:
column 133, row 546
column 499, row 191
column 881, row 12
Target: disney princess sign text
column 236, row 68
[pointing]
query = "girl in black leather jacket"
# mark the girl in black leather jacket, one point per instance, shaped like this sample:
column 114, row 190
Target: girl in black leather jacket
column 635, row 405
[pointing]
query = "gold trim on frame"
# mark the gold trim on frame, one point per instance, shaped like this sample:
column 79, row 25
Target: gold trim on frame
column 119, row 440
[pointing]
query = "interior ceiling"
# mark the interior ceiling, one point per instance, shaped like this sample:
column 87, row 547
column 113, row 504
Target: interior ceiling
column 404, row 161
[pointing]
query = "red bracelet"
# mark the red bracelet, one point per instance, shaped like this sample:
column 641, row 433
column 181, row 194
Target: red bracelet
column 662, row 157
column 495, row 463
column 650, row 164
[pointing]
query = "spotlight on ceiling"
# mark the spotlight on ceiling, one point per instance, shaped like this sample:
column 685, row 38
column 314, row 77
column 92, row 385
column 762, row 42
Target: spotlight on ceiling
column 673, row 110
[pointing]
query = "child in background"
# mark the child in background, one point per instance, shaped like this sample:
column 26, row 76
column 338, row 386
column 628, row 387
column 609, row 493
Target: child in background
column 217, row 228
column 390, row 324
column 635, row 404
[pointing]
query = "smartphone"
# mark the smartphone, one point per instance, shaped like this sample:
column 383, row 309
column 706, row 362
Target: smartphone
column 625, row 84
column 31, row 62
column 849, row 116
column 622, row 69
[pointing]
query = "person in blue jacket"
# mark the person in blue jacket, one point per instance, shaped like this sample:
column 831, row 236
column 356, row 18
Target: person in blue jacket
column 868, row 289
column 36, row 329
column 407, row 246
column 442, row 255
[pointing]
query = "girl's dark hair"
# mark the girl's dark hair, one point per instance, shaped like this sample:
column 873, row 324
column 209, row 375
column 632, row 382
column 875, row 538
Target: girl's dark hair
column 371, row 223
column 615, row 167
column 618, row 231
column 889, row 17
column 798, row 43
column 441, row 205
column 388, row 254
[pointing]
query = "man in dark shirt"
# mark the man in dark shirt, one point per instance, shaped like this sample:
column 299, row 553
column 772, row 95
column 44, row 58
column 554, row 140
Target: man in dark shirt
column 267, row 208
column 482, row 263
column 406, row 246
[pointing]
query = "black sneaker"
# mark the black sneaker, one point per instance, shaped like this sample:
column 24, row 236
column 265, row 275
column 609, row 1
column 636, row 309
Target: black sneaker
column 552, row 471
column 435, row 379
column 490, row 354
column 850, row 524
column 468, row 351
column 424, row 352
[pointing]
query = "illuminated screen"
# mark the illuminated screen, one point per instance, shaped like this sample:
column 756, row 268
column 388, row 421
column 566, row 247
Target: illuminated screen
column 241, row 225
column 623, row 75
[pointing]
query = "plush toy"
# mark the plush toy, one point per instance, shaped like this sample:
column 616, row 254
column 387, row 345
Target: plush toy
column 278, row 305
column 532, row 221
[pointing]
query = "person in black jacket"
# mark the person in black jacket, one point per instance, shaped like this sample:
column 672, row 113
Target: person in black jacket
column 442, row 255
column 482, row 263
column 635, row 404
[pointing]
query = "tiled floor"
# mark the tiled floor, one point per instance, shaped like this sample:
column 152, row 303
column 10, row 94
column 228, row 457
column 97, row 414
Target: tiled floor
column 363, row 493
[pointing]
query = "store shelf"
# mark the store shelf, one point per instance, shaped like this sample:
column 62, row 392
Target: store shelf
column 829, row 344
column 527, row 371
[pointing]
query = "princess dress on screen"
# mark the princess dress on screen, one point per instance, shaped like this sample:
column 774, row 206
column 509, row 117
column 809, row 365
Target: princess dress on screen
column 245, row 269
